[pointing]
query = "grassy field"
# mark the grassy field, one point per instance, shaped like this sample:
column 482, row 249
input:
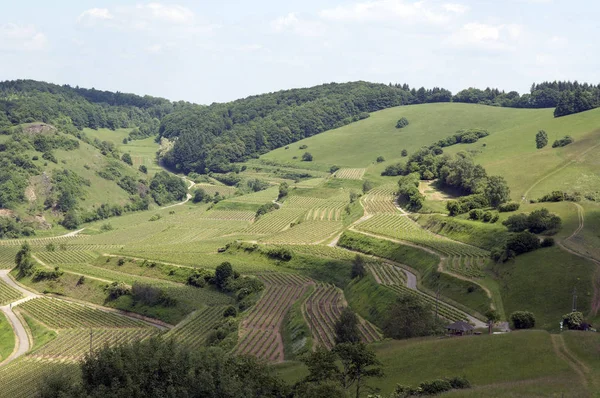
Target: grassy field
column 510, row 361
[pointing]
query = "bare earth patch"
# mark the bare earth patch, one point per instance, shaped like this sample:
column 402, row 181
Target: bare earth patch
column 428, row 189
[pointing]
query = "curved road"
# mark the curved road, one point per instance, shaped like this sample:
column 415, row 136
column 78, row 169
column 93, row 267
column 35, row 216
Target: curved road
column 22, row 343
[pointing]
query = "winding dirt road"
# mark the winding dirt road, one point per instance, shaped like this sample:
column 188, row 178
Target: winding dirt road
column 22, row 343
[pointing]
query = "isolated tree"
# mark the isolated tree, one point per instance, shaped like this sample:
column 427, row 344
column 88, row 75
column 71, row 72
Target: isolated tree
column 359, row 363
column 143, row 169
column 358, row 267
column 127, row 159
column 541, row 139
column 404, row 153
column 321, row 365
column 283, row 190
column 402, row 122
column 497, row 190
column 409, row 317
column 367, row 186
column 307, row 157
column 199, row 195
column 125, row 140
column 380, row 159
column 23, row 260
column 71, row 220
column 223, row 272
column 346, row 328
column 573, row 320
column 492, row 317
column 522, row 319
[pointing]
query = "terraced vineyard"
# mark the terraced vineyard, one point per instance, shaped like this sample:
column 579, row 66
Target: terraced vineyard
column 469, row 266
column 60, row 314
column 7, row 256
column 273, row 222
column 228, row 215
column 260, row 333
column 192, row 332
column 380, row 200
column 403, row 228
column 306, row 232
column 387, row 274
column 322, row 251
column 73, row 344
column 350, row 174
column 22, row 378
column 322, row 310
column 57, row 240
column 311, row 183
column 260, row 197
column 8, row 294
column 66, row 257
column 303, row 202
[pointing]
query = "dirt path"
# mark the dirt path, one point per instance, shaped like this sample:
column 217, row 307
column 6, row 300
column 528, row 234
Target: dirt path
column 551, row 173
column 188, row 196
column 561, row 350
column 22, row 343
column 72, row 234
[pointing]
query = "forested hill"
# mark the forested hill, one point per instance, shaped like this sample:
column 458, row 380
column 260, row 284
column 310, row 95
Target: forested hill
column 211, row 138
column 24, row 101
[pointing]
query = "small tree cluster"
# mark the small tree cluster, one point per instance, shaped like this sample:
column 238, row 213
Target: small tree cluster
column 402, row 122
column 508, row 207
column 541, row 139
column 522, row 319
column 537, row 221
column 566, row 140
column 307, row 157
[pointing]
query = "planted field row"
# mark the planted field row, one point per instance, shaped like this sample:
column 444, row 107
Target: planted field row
column 323, row 309
column 193, row 331
column 8, row 294
column 23, row 378
column 323, row 251
column 387, row 274
column 260, row 197
column 260, row 331
column 66, row 257
column 202, row 229
column 128, row 235
column 73, row 344
column 380, row 200
column 274, row 222
column 311, row 183
column 471, row 267
column 228, row 215
column 401, row 227
column 303, row 202
column 7, row 256
column 57, row 240
column 350, row 174
column 306, row 232
column 276, row 278
column 331, row 212
column 60, row 314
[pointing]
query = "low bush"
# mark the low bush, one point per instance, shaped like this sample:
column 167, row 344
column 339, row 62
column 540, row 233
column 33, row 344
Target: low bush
column 522, row 319
column 402, row 122
column 566, row 140
column 507, row 207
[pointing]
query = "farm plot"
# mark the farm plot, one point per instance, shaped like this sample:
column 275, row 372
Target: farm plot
column 7, row 256
column 193, row 331
column 350, row 174
column 212, row 190
column 380, row 200
column 66, row 257
column 60, row 314
column 228, row 215
column 260, row 197
column 322, row 251
column 57, row 240
column 322, row 310
column 403, row 228
column 260, row 333
column 8, row 294
column 275, row 221
column 387, row 274
column 469, row 266
column 305, row 233
column 23, row 378
column 311, row 183
column 303, row 202
column 73, row 344
column 201, row 230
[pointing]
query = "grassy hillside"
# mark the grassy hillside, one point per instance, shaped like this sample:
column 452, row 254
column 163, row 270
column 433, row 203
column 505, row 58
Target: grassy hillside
column 508, row 151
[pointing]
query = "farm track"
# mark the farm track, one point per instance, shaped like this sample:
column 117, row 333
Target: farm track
column 561, row 350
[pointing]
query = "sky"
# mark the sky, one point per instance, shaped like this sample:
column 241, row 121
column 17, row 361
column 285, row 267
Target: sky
column 215, row 51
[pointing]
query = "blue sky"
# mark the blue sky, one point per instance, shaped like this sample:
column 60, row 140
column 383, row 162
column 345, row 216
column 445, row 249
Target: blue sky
column 209, row 51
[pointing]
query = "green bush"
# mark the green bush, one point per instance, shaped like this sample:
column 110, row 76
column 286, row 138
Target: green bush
column 307, row 157
column 230, row 311
column 522, row 242
column 507, row 207
column 522, row 319
column 435, row 387
column 402, row 122
column 487, row 216
column 563, row 142
column 476, row 214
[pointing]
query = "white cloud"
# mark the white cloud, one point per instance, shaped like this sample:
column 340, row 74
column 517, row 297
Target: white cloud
column 169, row 13
column 21, row 38
column 303, row 27
column 402, row 10
column 455, row 8
column 94, row 14
column 494, row 37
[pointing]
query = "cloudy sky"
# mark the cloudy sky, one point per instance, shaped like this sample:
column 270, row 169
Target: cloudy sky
column 209, row 51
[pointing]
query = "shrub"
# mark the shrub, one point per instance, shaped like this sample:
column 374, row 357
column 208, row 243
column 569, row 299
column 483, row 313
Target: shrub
column 155, row 217
column 143, row 169
column 333, row 169
column 507, row 207
column 116, row 290
column 404, row 153
column 542, row 220
column 380, row 159
column 476, row 214
column 522, row 319
column 541, row 139
column 307, row 157
column 487, row 216
column 199, row 278
column 563, row 142
column 516, row 222
column 41, row 274
column 548, row 242
column 230, row 311
column 495, row 218
column 280, row 253
column 304, row 146
column 522, row 242
column 573, row 320
column 397, row 169
column 459, row 383
column 402, row 122
column 127, row 159
column 435, row 387
column 266, row 208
